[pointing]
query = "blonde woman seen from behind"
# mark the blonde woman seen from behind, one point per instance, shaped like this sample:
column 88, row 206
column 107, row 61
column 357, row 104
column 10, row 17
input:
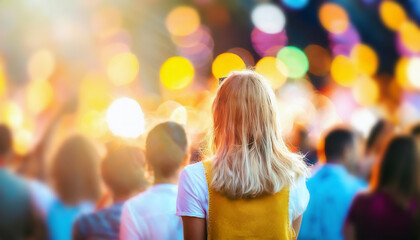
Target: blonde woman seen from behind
column 251, row 186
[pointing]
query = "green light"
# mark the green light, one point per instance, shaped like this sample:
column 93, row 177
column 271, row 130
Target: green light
column 295, row 60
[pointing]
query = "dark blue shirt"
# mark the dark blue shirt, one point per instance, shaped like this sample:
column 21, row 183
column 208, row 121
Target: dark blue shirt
column 103, row 224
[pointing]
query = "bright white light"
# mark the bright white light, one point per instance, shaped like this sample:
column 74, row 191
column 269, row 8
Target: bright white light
column 125, row 118
column 363, row 120
column 269, row 18
column 413, row 71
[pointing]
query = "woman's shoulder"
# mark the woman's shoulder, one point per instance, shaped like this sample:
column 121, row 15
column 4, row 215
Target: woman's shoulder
column 194, row 173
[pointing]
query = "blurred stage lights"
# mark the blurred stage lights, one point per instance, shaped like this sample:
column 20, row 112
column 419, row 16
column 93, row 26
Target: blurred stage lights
column 392, row 14
column 176, row 73
column 122, row 69
column 182, row 21
column 365, row 59
column 343, row 71
column 295, row 4
column 365, row 91
column 410, row 36
column 41, row 65
column 413, row 71
column 274, row 71
column 125, row 118
column 226, row 63
column 319, row 60
column 11, row 114
column 295, row 61
column 39, row 95
column 333, row 18
column 268, row 17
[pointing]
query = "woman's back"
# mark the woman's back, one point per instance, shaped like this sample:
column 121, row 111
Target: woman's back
column 377, row 215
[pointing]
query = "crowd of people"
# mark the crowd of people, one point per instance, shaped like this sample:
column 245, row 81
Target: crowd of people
column 249, row 183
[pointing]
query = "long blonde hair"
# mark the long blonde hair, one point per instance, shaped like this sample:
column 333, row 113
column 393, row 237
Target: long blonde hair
column 249, row 157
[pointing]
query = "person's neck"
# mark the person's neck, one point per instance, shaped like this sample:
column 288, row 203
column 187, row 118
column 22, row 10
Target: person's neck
column 166, row 180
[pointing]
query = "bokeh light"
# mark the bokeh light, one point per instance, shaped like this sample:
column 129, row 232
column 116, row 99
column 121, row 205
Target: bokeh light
column 295, row 60
column 94, row 93
column 295, row 4
column 93, row 123
column 410, row 36
column 413, row 71
column 39, row 96
column 11, row 114
column 176, row 73
column 122, row 68
column 269, row 18
column 333, row 17
column 226, row 63
column 125, row 118
column 2, row 80
column 392, row 14
column 41, row 65
column 319, row 59
column 268, row 45
column 273, row 70
column 363, row 120
column 22, row 141
column 365, row 91
column 182, row 21
column 179, row 115
column 365, row 59
column 343, row 71
column 401, row 73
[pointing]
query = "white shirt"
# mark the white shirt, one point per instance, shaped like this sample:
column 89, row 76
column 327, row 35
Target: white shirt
column 193, row 194
column 151, row 215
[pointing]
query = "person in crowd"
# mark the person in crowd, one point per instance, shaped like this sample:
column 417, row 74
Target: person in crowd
column 251, row 186
column 17, row 217
column 415, row 132
column 375, row 144
column 332, row 188
column 123, row 171
column 75, row 179
column 388, row 210
column 151, row 214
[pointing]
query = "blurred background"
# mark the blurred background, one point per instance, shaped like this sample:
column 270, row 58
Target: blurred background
column 118, row 68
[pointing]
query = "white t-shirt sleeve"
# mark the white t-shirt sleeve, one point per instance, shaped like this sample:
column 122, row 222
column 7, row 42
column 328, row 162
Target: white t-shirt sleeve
column 298, row 198
column 192, row 192
column 130, row 228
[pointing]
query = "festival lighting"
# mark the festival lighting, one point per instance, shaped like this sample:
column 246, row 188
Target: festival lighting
column 410, row 36
column 413, row 71
column 392, row 14
column 319, row 60
column 41, row 65
column 401, row 73
column 343, row 71
column 295, row 60
column 333, row 18
column 365, row 91
column 226, row 63
column 22, row 141
column 268, row 45
column 11, row 114
column 39, row 95
column 125, row 118
column 268, row 17
column 295, row 4
column 182, row 21
column 273, row 70
column 176, row 73
column 365, row 59
column 122, row 69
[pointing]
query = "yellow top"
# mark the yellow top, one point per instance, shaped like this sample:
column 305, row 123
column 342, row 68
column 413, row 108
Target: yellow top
column 265, row 217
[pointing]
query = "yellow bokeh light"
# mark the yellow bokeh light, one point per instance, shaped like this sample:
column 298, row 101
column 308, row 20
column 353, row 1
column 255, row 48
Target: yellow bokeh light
column 410, row 36
column 392, row 14
column 333, row 18
column 41, row 65
column 413, row 71
column 401, row 73
column 273, row 70
column 92, row 123
column 176, row 73
column 11, row 114
column 39, row 96
column 125, row 118
column 182, row 21
column 179, row 115
column 365, row 91
column 94, row 93
column 2, row 80
column 343, row 71
column 22, row 141
column 226, row 63
column 122, row 68
column 365, row 59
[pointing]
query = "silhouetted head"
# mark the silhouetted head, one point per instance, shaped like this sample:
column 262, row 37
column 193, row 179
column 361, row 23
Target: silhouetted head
column 166, row 148
column 5, row 141
column 75, row 172
column 123, row 170
column 399, row 167
column 339, row 146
